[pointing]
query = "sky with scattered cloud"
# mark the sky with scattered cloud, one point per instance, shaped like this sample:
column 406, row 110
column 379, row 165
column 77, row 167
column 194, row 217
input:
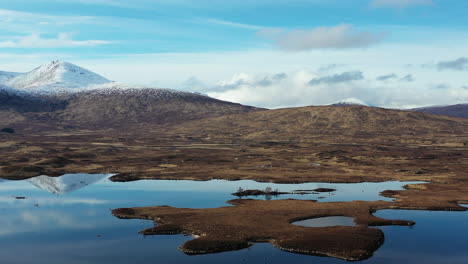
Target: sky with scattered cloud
column 268, row 53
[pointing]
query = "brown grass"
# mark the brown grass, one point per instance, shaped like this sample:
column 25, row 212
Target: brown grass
column 236, row 227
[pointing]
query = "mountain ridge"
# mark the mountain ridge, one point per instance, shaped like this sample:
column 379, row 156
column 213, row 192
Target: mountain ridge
column 101, row 104
column 457, row 110
column 142, row 105
column 302, row 122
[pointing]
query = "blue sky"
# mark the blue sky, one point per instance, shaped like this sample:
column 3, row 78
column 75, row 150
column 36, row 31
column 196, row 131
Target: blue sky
column 271, row 53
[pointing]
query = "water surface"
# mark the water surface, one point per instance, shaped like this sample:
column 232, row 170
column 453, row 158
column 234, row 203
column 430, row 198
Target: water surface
column 68, row 220
column 326, row 221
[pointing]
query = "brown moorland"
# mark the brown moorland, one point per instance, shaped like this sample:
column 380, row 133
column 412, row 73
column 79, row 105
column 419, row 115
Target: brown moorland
column 310, row 144
column 331, row 144
column 249, row 221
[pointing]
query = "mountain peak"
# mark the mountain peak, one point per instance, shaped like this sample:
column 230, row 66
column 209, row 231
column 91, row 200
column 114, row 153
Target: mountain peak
column 58, row 63
column 57, row 76
column 351, row 101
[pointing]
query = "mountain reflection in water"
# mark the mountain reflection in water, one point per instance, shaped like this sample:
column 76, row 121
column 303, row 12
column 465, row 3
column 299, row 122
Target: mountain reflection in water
column 66, row 183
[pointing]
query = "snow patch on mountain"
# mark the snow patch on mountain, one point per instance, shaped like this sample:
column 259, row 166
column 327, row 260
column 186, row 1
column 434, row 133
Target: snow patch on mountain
column 57, row 76
column 351, row 101
column 7, row 76
column 66, row 183
column 115, row 86
column 123, row 88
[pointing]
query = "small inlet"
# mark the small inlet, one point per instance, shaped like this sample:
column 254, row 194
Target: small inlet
column 326, row 221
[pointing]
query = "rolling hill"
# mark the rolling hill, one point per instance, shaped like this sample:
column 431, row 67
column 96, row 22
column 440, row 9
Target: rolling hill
column 458, row 110
column 302, row 122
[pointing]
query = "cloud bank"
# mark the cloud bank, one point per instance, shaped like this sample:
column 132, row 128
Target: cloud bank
column 394, row 77
column 305, row 87
column 338, row 78
column 334, row 37
column 459, row 64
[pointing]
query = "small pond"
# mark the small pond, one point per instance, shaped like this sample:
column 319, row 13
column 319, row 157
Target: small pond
column 326, row 221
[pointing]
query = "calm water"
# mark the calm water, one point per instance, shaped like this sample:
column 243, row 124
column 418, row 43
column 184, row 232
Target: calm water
column 68, row 220
column 327, row 221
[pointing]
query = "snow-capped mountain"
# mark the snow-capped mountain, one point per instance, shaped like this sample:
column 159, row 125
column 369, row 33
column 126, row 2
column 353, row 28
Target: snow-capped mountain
column 63, row 94
column 351, row 101
column 66, row 183
column 7, row 76
column 57, row 76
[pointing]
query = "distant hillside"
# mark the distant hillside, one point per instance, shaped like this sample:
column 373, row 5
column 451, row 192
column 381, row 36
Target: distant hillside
column 22, row 102
column 459, row 110
column 60, row 95
column 122, row 107
column 324, row 120
column 114, row 107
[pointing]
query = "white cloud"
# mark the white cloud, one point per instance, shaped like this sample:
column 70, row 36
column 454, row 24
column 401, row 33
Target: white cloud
column 154, row 4
column 16, row 19
column 35, row 40
column 47, row 201
column 31, row 22
column 33, row 221
column 295, row 90
column 335, row 37
column 387, row 77
column 246, row 88
column 398, row 3
column 228, row 23
column 112, row 3
column 193, row 84
column 459, row 64
column 344, row 77
column 155, row 30
column 270, row 33
column 292, row 89
column 393, row 77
